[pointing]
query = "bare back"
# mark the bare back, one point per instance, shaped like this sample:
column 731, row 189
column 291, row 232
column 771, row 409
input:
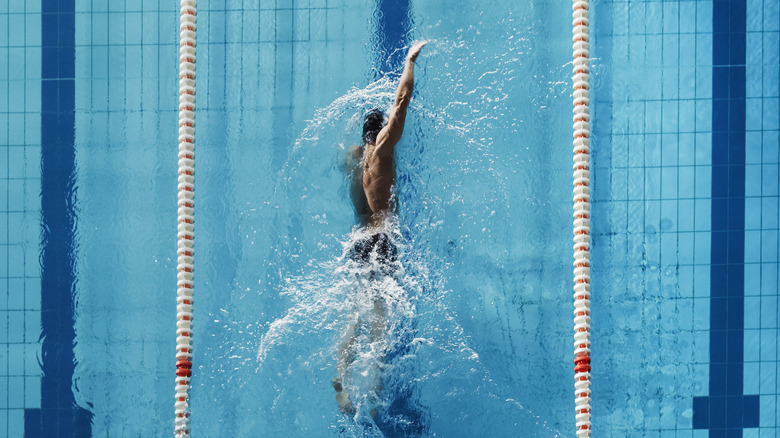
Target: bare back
column 378, row 169
column 378, row 179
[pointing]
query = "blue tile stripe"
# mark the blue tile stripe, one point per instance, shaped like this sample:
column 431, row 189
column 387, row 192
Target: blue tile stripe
column 727, row 409
column 394, row 23
column 58, row 415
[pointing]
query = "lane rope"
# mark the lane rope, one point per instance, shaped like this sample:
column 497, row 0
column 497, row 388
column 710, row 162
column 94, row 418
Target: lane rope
column 581, row 197
column 185, row 229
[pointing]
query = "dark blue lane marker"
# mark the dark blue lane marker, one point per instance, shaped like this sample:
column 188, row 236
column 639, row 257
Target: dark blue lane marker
column 58, row 416
column 393, row 24
column 726, row 411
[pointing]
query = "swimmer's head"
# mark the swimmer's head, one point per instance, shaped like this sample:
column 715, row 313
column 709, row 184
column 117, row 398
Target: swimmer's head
column 372, row 124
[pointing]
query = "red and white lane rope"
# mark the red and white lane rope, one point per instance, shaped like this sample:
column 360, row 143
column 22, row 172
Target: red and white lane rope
column 581, row 194
column 186, row 232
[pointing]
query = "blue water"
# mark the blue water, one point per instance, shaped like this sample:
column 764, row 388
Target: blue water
column 478, row 338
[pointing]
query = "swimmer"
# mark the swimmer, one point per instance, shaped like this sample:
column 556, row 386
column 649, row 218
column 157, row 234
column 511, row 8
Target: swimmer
column 372, row 186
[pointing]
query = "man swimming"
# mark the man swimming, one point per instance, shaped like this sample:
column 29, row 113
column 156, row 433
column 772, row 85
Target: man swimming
column 372, row 187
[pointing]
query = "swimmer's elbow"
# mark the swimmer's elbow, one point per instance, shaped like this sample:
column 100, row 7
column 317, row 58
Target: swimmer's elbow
column 402, row 99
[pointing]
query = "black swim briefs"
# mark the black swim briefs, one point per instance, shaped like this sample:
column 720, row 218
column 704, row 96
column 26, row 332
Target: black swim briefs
column 380, row 244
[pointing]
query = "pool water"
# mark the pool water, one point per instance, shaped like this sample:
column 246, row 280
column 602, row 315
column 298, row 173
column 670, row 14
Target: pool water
column 477, row 320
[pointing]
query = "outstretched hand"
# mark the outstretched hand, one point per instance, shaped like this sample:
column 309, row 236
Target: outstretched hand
column 415, row 51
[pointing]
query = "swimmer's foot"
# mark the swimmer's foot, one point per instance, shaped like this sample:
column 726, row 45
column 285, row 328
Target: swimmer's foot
column 342, row 398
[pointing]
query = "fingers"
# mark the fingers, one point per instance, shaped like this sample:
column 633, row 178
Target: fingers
column 414, row 51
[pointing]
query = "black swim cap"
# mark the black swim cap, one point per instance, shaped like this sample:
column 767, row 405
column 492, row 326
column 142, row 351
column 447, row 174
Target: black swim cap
column 372, row 124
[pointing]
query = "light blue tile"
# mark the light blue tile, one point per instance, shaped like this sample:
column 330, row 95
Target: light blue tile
column 653, row 83
column 768, row 345
column 3, row 389
column 769, row 279
column 636, row 18
column 771, row 57
column 770, row 149
column 753, row 81
column 685, row 206
column 150, row 22
column 701, row 339
column 4, row 59
column 653, row 115
column 15, row 260
column 771, row 114
column 703, row 116
column 686, row 172
column 652, row 150
column 15, row 293
column 669, row 144
column 770, row 179
column 653, row 183
column 750, row 433
column 752, row 312
column 16, row 194
column 653, row 18
column 753, row 112
column 685, row 270
column 687, row 91
column 702, row 254
column 16, row 5
column 767, row 404
column 703, row 87
column 16, row 421
column 768, row 312
column 703, row 188
column 619, row 183
column 668, row 249
column 769, row 213
column 769, row 246
column 687, row 116
column 670, row 78
column 771, row 16
column 752, row 345
column 32, row 392
column 753, row 180
column 16, row 31
column 685, row 313
column 671, row 17
column 687, row 433
column 31, row 293
column 16, row 361
column 16, row 134
column 669, row 182
column 752, row 244
column 752, row 213
column 32, row 326
column 753, row 57
column 703, row 17
column 233, row 27
column 32, row 103
column 15, row 327
column 636, row 215
column 752, row 279
column 636, row 152
column 753, row 146
column 16, row 103
column 751, row 378
column 15, row 156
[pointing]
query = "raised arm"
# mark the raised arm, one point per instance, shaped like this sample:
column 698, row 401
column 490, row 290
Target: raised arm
column 391, row 134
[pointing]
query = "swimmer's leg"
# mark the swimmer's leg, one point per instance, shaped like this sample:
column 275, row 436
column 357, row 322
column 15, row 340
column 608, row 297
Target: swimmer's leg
column 346, row 352
column 379, row 339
